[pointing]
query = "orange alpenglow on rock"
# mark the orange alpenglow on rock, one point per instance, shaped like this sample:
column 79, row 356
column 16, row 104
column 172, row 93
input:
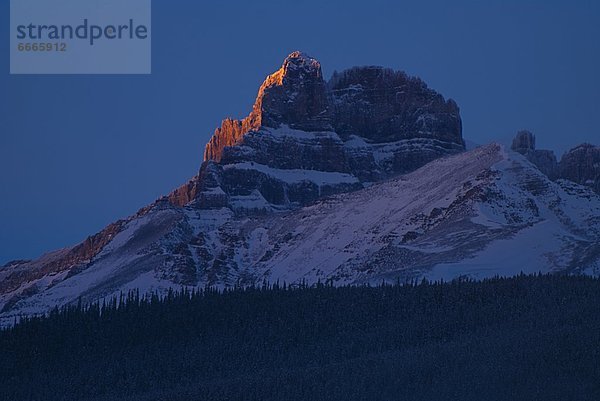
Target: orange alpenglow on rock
column 294, row 95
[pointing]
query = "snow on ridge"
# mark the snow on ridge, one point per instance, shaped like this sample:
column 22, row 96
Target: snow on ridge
column 547, row 218
column 285, row 131
column 320, row 178
column 254, row 201
column 352, row 228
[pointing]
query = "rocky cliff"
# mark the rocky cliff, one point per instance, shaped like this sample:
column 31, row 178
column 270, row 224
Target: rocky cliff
column 306, row 138
column 382, row 105
column 545, row 160
column 580, row 164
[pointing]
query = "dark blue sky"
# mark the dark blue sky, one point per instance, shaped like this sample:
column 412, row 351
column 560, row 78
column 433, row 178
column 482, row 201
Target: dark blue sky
column 77, row 152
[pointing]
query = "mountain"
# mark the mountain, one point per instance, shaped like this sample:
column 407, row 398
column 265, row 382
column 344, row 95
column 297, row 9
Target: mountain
column 357, row 180
column 306, row 138
column 580, row 164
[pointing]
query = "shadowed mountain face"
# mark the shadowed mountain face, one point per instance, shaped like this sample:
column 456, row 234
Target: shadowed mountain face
column 545, row 160
column 360, row 179
column 382, row 105
column 375, row 103
column 580, row 164
column 306, row 138
column 294, row 95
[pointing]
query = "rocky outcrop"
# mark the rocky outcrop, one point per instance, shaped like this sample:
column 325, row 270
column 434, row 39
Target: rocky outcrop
column 523, row 142
column 375, row 103
column 228, row 134
column 382, row 105
column 365, row 124
column 582, row 165
column 293, row 95
column 544, row 160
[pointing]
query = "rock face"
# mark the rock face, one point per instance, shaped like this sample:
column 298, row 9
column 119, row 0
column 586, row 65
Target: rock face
column 524, row 142
column 545, row 160
column 582, row 165
column 228, row 134
column 382, row 105
column 305, row 138
column 294, row 95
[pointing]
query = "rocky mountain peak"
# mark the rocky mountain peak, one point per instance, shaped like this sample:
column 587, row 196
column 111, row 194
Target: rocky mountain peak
column 523, row 142
column 302, row 62
column 544, row 160
column 582, row 165
column 375, row 103
column 306, row 138
column 294, row 95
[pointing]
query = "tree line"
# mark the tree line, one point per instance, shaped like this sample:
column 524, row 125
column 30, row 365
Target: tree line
column 526, row 337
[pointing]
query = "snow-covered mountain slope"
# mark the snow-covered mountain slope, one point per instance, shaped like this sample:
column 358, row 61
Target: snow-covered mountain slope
column 481, row 213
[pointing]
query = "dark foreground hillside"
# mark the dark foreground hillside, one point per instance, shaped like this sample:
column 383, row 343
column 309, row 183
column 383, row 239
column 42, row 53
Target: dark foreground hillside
column 525, row 338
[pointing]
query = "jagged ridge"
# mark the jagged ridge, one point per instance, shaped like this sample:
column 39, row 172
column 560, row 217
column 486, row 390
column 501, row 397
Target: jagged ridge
column 366, row 123
column 581, row 164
